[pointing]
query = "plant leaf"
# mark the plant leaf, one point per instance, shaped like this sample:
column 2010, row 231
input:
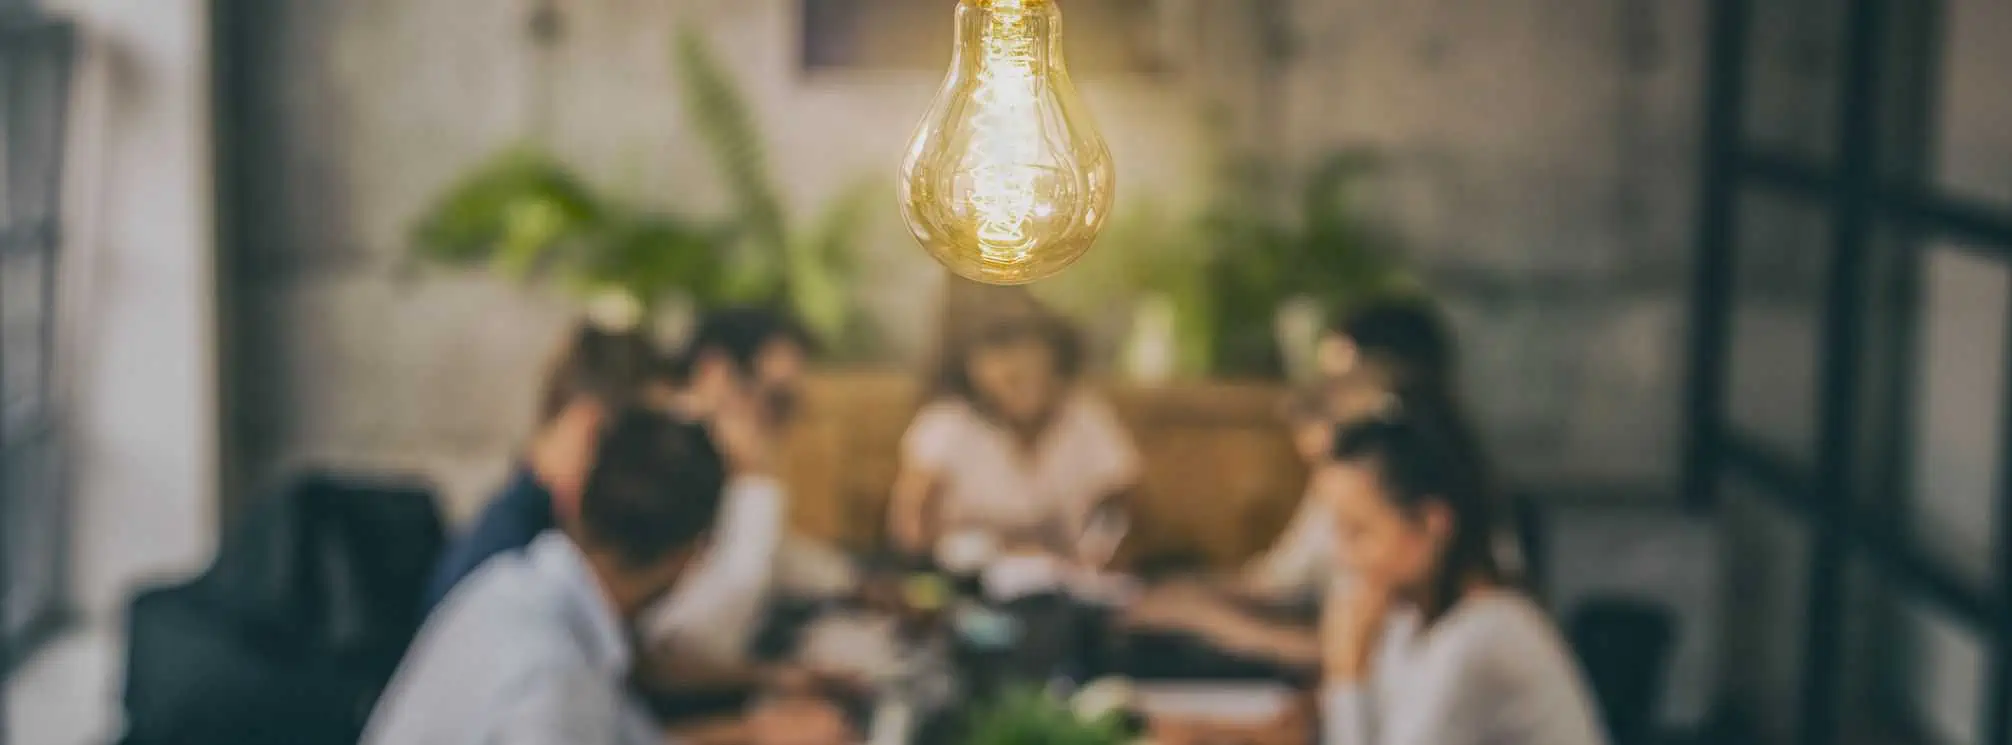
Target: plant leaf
column 820, row 268
column 726, row 124
column 510, row 211
column 651, row 256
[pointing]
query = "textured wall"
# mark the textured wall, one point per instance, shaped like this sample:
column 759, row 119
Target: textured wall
column 357, row 111
column 1541, row 159
column 1540, row 166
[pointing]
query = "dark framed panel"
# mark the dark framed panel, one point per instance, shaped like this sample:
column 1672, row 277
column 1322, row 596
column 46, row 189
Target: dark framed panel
column 1900, row 466
column 35, row 61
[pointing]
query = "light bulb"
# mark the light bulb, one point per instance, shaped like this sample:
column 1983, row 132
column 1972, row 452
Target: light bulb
column 1007, row 180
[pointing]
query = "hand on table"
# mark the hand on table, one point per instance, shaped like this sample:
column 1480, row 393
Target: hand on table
column 1178, row 607
column 801, row 680
column 1293, row 727
column 799, row 720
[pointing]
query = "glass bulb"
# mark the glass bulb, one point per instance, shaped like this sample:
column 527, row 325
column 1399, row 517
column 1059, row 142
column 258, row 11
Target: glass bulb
column 1007, row 180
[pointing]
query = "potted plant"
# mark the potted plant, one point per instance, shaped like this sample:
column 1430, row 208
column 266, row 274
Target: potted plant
column 1280, row 273
column 1035, row 717
column 526, row 216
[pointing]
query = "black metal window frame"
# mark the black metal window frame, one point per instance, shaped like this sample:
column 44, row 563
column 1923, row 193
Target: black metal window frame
column 1823, row 495
column 32, row 119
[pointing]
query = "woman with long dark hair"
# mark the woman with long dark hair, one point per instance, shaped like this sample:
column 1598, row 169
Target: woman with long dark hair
column 1430, row 642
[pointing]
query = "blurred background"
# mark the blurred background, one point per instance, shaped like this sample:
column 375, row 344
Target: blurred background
column 1730, row 281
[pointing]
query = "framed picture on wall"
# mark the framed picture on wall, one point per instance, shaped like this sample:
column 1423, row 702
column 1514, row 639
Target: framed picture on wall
column 1103, row 37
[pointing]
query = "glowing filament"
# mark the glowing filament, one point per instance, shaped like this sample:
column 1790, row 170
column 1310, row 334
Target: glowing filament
column 1006, row 179
column 1006, row 132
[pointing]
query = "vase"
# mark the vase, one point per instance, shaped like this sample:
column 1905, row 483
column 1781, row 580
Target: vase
column 1151, row 349
column 1296, row 327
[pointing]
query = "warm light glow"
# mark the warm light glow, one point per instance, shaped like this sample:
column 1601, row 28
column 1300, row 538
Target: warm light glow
column 1007, row 180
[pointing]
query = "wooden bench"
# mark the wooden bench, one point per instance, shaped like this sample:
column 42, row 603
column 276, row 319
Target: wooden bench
column 1221, row 478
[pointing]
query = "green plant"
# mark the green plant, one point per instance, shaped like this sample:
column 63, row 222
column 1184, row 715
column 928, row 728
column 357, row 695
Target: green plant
column 810, row 269
column 1033, row 717
column 1319, row 250
column 1146, row 250
column 525, row 216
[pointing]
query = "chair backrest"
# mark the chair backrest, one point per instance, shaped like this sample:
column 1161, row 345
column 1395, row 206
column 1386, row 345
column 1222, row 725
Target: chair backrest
column 1624, row 646
column 331, row 564
column 293, row 631
column 1221, row 477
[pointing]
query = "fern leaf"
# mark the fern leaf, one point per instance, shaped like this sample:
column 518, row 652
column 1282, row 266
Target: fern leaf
column 725, row 123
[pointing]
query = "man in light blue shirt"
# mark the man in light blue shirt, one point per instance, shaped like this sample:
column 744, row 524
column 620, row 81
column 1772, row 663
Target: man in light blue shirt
column 534, row 648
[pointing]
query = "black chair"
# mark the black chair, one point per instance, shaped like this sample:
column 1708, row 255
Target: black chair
column 292, row 632
column 1624, row 645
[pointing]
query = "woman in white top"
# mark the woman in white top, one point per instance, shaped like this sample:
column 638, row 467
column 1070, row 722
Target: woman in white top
column 1011, row 445
column 1428, row 645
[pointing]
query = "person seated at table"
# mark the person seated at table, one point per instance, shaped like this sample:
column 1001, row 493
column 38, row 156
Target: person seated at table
column 534, row 647
column 741, row 365
column 1430, row 644
column 1364, row 356
column 1260, row 613
column 1405, row 333
column 1298, row 565
column 1010, row 445
column 597, row 372
column 1367, row 355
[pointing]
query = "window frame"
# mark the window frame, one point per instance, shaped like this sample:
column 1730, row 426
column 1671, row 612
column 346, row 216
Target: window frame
column 1849, row 515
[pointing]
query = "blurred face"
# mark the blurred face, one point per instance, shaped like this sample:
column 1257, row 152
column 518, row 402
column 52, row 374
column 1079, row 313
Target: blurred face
column 1355, row 403
column 1335, row 354
column 772, row 384
column 1313, row 438
column 778, row 377
column 1017, row 379
column 1382, row 543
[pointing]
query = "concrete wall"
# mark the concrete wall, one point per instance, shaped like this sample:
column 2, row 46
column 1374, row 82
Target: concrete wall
column 363, row 110
column 1540, row 168
column 138, row 343
column 1541, row 164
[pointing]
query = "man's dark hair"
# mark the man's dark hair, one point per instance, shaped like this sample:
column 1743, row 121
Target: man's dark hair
column 608, row 367
column 740, row 334
column 1408, row 334
column 654, row 489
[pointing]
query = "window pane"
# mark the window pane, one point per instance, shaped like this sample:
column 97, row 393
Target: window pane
column 1937, row 672
column 1767, row 575
column 1958, row 404
column 1974, row 146
column 1781, row 256
column 1793, row 71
